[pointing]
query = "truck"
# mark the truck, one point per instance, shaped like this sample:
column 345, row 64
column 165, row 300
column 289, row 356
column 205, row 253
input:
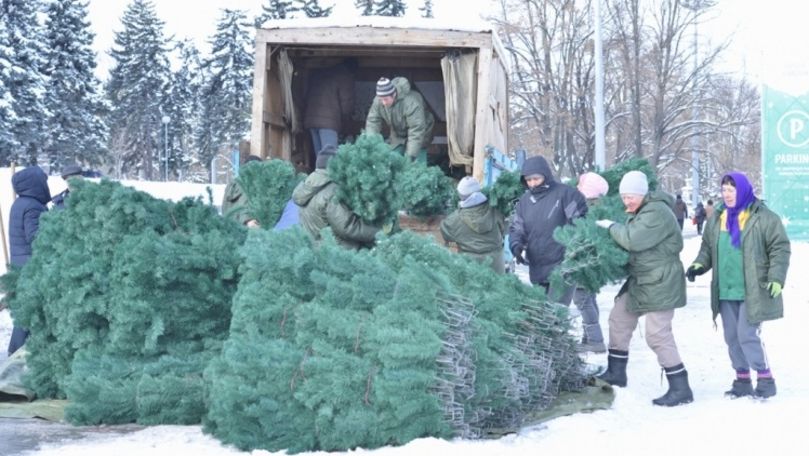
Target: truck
column 460, row 71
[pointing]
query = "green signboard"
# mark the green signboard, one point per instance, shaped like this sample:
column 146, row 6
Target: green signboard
column 785, row 158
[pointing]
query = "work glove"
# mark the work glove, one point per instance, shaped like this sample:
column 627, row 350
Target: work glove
column 775, row 289
column 604, row 223
column 693, row 271
column 518, row 256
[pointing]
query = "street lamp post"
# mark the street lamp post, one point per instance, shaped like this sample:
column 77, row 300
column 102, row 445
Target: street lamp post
column 166, row 120
column 598, row 107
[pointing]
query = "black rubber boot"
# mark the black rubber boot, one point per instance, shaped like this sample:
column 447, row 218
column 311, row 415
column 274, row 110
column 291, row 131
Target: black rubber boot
column 679, row 392
column 765, row 387
column 616, row 368
column 741, row 387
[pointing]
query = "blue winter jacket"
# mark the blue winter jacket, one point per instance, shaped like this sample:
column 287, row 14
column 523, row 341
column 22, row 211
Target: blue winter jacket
column 31, row 187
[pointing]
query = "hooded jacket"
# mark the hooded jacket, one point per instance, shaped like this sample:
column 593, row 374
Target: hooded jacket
column 410, row 122
column 319, row 208
column 654, row 241
column 31, row 186
column 478, row 231
column 538, row 212
column 765, row 252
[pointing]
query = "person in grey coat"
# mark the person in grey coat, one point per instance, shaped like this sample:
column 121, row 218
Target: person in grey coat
column 31, row 187
column 545, row 205
column 329, row 103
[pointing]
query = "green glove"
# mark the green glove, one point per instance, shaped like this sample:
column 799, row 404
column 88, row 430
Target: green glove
column 775, row 289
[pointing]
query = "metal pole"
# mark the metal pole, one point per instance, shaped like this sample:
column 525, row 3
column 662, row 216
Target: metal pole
column 166, row 120
column 600, row 152
column 695, row 196
column 166, row 151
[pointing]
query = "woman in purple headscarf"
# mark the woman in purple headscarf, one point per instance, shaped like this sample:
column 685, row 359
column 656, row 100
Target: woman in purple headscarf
column 746, row 246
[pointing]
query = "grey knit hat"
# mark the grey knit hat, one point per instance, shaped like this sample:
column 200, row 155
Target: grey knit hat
column 635, row 183
column 385, row 88
column 468, row 185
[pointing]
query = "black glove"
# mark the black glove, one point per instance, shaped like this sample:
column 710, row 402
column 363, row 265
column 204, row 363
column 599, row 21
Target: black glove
column 517, row 252
column 693, row 271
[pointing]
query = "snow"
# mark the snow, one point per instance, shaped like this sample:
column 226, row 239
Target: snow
column 468, row 24
column 712, row 424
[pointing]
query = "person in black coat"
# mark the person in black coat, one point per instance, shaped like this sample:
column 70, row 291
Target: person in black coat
column 545, row 205
column 31, row 187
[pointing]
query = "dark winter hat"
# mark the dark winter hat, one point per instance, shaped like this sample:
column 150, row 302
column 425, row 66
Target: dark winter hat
column 71, row 170
column 385, row 88
column 324, row 156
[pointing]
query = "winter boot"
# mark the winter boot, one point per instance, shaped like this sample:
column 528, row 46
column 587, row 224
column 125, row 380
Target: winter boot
column 616, row 368
column 741, row 387
column 595, row 347
column 679, row 392
column 593, row 340
column 765, row 387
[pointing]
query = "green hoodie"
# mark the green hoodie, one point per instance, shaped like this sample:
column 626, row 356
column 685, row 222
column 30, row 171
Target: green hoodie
column 319, row 208
column 479, row 232
column 411, row 123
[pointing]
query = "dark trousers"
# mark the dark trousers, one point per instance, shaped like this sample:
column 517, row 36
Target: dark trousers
column 18, row 336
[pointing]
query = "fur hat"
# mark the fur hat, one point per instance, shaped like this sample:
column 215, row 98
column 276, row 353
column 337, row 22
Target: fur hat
column 385, row 88
column 592, row 185
column 467, row 186
column 634, row 182
column 324, row 156
column 71, row 170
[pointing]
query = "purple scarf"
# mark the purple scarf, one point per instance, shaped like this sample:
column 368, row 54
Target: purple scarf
column 744, row 198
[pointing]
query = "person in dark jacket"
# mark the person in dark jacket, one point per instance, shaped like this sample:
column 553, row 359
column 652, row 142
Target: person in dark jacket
column 71, row 171
column 699, row 216
column 31, row 187
column 476, row 227
column 329, row 103
column 544, row 206
column 654, row 288
column 680, row 211
column 319, row 208
column 747, row 248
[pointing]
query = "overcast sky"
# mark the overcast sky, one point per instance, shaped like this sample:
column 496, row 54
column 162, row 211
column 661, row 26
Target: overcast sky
column 768, row 38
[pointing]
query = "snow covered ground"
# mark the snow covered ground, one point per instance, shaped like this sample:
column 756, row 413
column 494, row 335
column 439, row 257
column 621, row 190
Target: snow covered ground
column 712, row 424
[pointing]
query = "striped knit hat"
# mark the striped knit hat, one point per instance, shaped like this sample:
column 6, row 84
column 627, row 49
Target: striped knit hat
column 384, row 88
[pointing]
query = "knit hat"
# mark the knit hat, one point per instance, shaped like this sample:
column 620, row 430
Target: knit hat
column 635, row 183
column 467, row 186
column 592, row 185
column 71, row 170
column 384, row 87
column 325, row 155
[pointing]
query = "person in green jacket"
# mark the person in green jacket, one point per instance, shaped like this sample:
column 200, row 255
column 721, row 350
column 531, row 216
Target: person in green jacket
column 476, row 227
column 747, row 248
column 654, row 288
column 319, row 207
column 404, row 111
column 234, row 202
